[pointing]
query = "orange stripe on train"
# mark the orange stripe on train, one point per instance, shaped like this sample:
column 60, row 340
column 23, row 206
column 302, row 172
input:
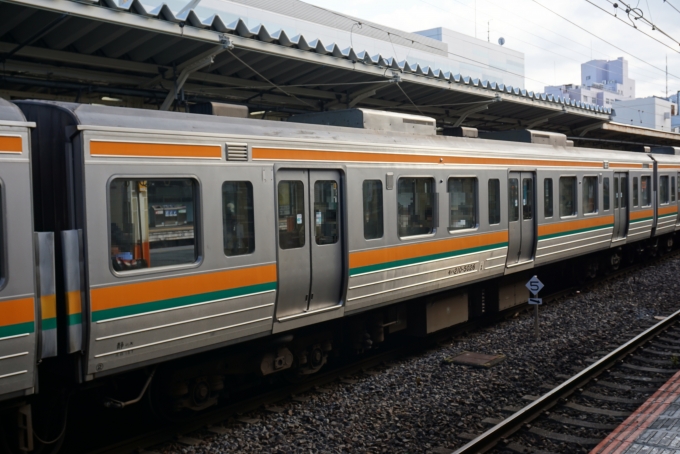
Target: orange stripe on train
column 351, row 156
column 154, row 150
column 162, row 289
column 17, row 311
column 392, row 254
column 11, row 144
column 641, row 214
column 560, row 227
column 668, row 210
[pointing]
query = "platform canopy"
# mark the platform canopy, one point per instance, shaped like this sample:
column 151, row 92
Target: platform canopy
column 123, row 52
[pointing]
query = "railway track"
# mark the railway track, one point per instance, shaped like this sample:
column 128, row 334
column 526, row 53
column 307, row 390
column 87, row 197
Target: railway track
column 585, row 408
column 211, row 420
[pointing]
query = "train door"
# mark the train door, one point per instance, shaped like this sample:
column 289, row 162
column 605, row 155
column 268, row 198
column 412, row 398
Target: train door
column 310, row 241
column 522, row 217
column 620, row 206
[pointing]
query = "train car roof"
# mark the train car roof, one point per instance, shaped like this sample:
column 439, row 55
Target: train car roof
column 88, row 116
column 10, row 112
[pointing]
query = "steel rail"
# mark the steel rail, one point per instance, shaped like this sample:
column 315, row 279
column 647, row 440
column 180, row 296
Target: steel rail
column 489, row 439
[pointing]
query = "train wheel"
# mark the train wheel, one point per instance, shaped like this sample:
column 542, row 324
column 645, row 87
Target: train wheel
column 613, row 260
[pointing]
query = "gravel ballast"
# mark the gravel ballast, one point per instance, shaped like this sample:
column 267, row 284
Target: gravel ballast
column 427, row 404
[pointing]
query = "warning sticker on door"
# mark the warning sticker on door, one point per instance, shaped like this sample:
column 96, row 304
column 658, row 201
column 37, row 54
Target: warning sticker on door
column 299, row 218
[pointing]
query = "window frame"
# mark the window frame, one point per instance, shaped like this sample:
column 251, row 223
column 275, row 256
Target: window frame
column 606, row 202
column 198, row 224
column 448, row 205
column 382, row 207
column 435, row 205
column 500, row 202
column 597, row 195
column 651, row 192
column 252, row 193
column 668, row 189
column 636, row 192
column 552, row 197
column 559, row 194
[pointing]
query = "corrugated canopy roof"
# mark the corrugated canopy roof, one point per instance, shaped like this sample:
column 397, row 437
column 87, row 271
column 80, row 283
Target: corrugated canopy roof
column 81, row 51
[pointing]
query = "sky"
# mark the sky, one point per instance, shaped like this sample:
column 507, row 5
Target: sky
column 553, row 47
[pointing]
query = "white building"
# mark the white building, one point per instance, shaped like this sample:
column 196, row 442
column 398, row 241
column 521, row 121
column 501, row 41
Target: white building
column 652, row 112
column 446, row 50
column 603, row 82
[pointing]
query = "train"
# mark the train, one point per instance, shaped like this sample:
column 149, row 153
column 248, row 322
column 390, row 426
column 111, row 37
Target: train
column 181, row 252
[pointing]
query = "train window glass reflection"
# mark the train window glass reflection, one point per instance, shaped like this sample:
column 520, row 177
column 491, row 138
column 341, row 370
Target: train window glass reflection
column 589, row 195
column 664, row 196
column 672, row 189
column 548, row 198
column 326, row 212
column 605, row 194
column 152, row 223
column 636, row 192
column 291, row 214
column 513, row 199
column 494, row 201
column 415, row 204
column 462, row 203
column 646, row 191
column 527, row 199
column 238, row 224
column 373, row 209
column 568, row 196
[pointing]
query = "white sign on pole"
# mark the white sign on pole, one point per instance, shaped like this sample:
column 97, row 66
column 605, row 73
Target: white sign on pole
column 536, row 301
column 534, row 285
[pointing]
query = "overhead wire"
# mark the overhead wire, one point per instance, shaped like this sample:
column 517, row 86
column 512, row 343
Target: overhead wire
column 602, row 39
column 671, row 5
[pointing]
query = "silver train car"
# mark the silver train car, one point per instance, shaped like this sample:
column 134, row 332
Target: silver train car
column 176, row 234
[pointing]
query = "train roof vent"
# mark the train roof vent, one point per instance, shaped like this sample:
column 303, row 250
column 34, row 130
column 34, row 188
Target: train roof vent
column 219, row 109
column 371, row 119
column 666, row 150
column 527, row 136
column 237, row 151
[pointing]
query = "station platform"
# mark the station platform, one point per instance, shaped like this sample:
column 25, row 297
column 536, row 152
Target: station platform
column 654, row 428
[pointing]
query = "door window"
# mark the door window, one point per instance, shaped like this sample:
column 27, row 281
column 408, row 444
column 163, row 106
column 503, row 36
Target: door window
column 462, row 203
column 605, row 194
column 672, row 189
column 664, row 192
column 326, row 212
column 152, row 223
column 624, row 192
column 494, row 201
column 373, row 209
column 238, row 218
column 636, row 192
column 527, row 198
column 415, row 204
column 568, row 196
column 646, row 191
column 548, row 198
column 291, row 214
column 513, row 199
column 589, row 195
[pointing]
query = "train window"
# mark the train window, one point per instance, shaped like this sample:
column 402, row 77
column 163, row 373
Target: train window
column 589, row 195
column 527, row 199
column 513, row 199
column 605, row 194
column 326, row 212
column 494, row 201
column 238, row 224
column 568, row 196
column 636, row 193
column 415, row 204
column 624, row 192
column 462, row 203
column 373, row 209
column 646, row 191
column 672, row 189
column 291, row 214
column 152, row 222
column 548, row 198
column 664, row 193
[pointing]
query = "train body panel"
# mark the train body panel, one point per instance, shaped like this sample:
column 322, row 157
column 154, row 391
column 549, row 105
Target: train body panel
column 20, row 312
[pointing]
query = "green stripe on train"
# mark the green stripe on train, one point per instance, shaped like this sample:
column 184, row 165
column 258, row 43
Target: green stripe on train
column 574, row 232
column 180, row 302
column 642, row 220
column 15, row 330
column 426, row 258
column 48, row 323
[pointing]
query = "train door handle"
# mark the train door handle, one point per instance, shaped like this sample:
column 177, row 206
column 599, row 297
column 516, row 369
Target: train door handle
column 306, row 298
column 311, row 297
